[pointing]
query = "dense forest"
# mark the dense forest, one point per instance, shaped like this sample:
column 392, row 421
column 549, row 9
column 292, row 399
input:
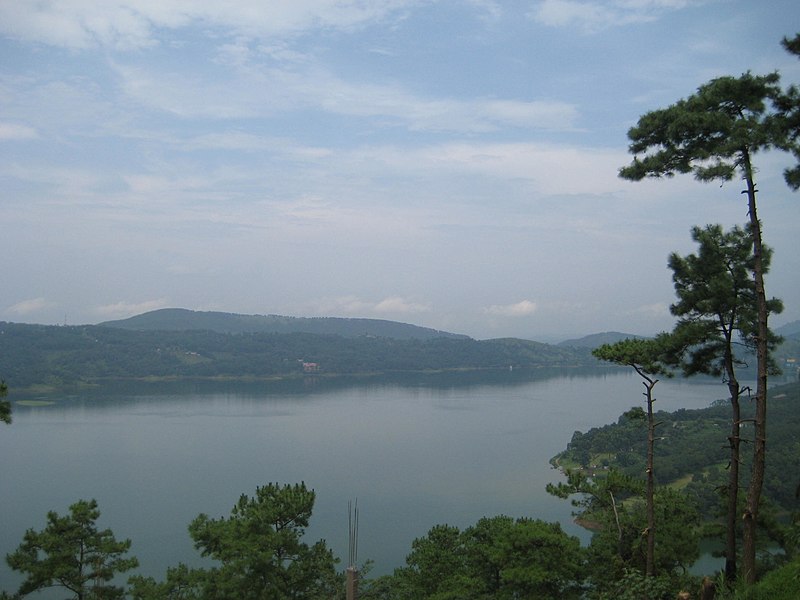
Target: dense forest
column 691, row 450
column 62, row 356
column 182, row 344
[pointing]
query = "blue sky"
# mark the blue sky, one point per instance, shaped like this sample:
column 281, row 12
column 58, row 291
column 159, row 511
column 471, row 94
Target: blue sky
column 448, row 164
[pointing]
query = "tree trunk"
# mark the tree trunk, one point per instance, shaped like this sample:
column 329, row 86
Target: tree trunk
column 650, row 565
column 620, row 542
column 733, row 474
column 733, row 485
column 707, row 589
column 750, row 517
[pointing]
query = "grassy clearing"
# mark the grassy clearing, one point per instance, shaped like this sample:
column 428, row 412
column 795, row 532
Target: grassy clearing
column 681, row 483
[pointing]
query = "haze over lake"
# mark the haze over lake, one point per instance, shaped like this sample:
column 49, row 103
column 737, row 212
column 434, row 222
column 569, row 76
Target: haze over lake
column 415, row 451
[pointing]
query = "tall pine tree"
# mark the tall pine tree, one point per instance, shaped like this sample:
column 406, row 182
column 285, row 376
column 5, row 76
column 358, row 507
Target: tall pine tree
column 714, row 135
column 716, row 308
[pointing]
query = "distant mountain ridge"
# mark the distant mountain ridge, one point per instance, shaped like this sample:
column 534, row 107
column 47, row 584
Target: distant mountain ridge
column 785, row 354
column 56, row 357
column 789, row 329
column 185, row 345
column 596, row 340
column 181, row 319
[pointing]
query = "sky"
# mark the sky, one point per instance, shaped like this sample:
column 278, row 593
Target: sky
column 447, row 164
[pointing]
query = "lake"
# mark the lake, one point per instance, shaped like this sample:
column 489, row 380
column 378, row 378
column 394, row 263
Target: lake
column 414, row 451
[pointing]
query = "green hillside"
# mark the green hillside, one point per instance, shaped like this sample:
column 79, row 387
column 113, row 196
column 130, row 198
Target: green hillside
column 59, row 356
column 691, row 450
column 180, row 319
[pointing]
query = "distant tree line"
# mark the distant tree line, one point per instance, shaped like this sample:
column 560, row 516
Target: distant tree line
column 61, row 356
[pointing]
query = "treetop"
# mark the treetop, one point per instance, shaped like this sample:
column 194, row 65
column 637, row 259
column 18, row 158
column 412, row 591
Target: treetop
column 707, row 133
column 647, row 356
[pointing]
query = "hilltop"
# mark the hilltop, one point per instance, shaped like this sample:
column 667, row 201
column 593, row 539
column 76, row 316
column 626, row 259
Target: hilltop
column 181, row 319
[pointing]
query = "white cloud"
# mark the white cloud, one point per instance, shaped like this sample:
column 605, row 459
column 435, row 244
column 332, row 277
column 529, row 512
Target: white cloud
column 65, row 181
column 228, row 140
column 13, row 131
column 124, row 309
column 128, row 25
column 343, row 305
column 355, row 306
column 27, row 307
column 595, row 15
column 397, row 305
column 549, row 168
column 655, row 310
column 260, row 91
column 559, row 13
column 243, row 163
column 519, row 309
column 543, row 115
column 418, row 113
column 75, row 24
column 491, row 10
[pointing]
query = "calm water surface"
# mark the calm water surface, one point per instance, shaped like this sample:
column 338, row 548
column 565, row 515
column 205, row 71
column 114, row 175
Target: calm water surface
column 415, row 452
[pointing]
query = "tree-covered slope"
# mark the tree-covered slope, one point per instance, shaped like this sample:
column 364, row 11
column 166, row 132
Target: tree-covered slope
column 692, row 448
column 62, row 356
column 789, row 329
column 180, row 319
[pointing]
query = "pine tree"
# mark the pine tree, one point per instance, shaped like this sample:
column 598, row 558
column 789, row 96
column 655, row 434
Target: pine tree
column 714, row 135
column 717, row 309
column 70, row 552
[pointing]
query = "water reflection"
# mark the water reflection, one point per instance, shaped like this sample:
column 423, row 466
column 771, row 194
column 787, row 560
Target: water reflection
column 320, row 384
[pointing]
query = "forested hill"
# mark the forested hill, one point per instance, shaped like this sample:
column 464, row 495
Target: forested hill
column 691, row 450
column 63, row 356
column 180, row 319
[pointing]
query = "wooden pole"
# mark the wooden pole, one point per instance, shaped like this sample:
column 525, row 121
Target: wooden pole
column 352, row 583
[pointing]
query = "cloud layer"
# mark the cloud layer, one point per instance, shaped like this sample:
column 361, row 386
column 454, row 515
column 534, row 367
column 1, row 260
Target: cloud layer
column 448, row 164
